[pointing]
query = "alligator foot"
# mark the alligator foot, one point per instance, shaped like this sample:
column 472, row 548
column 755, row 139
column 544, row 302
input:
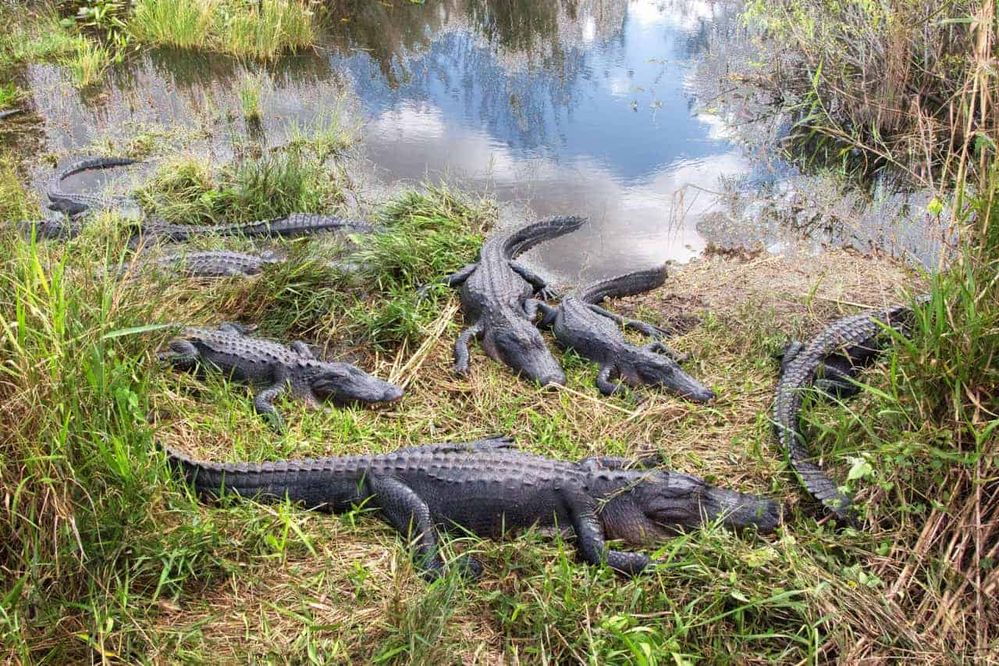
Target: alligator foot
column 660, row 348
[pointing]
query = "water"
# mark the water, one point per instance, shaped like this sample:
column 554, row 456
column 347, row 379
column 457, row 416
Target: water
column 574, row 107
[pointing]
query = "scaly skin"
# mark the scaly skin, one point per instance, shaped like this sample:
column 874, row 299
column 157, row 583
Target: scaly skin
column 828, row 363
column 207, row 264
column 578, row 323
column 276, row 368
column 73, row 203
column 488, row 487
column 294, row 225
column 496, row 297
column 49, row 228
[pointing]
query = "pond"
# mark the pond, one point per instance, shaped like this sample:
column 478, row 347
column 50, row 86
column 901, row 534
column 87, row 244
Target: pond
column 575, row 107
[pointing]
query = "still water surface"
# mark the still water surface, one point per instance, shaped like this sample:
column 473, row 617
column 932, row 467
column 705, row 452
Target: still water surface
column 565, row 107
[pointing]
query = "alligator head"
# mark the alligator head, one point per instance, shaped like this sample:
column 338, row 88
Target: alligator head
column 342, row 383
column 655, row 504
column 658, row 370
column 521, row 347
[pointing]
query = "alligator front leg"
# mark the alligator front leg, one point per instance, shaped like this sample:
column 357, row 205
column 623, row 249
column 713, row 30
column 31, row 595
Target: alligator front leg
column 601, row 463
column 604, row 384
column 302, row 349
column 548, row 314
column 660, row 348
column 236, row 327
column 593, row 547
column 182, row 355
column 461, row 353
column 264, row 401
column 454, row 280
column 406, row 511
column 646, row 329
column 533, row 306
column 541, row 287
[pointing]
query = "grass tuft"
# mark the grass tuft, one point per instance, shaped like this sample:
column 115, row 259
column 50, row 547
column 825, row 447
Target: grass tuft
column 262, row 30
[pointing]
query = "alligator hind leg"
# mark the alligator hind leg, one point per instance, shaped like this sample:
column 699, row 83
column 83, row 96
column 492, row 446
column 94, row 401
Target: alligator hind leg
column 606, row 386
column 541, row 286
column 593, row 547
column 646, row 329
column 406, row 511
column 461, row 352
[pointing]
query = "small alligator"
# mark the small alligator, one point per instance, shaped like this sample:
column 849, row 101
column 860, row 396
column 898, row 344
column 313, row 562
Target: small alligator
column 496, row 296
column 488, row 487
column 578, row 323
column 294, row 225
column 76, row 203
column 828, row 364
column 207, row 264
column 276, row 368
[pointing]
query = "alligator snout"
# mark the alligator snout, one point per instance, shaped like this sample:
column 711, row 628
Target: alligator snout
column 741, row 510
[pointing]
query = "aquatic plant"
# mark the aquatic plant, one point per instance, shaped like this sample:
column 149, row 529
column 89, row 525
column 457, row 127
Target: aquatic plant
column 249, row 97
column 261, row 30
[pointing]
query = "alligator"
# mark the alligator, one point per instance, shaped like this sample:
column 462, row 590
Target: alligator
column 578, row 323
column 488, row 487
column 54, row 227
column 294, row 225
column 76, row 203
column 275, row 368
column 497, row 299
column 207, row 264
column 828, row 364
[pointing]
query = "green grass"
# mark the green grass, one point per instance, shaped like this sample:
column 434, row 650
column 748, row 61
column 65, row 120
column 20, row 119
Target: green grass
column 186, row 191
column 9, row 95
column 262, row 30
column 110, row 556
column 181, row 23
column 249, row 98
column 15, row 202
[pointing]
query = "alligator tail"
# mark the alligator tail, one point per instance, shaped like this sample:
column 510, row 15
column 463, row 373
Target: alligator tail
column 74, row 203
column 818, row 484
column 525, row 238
column 623, row 285
column 306, row 481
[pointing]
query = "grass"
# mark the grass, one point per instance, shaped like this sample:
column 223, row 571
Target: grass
column 9, row 95
column 106, row 557
column 15, row 202
column 249, row 98
column 261, row 30
column 186, row 191
column 42, row 38
column 881, row 87
column 153, row 572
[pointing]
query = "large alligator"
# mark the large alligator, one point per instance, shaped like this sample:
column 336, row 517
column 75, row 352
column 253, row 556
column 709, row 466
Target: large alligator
column 578, row 323
column 828, row 364
column 276, row 368
column 488, row 487
column 497, row 299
